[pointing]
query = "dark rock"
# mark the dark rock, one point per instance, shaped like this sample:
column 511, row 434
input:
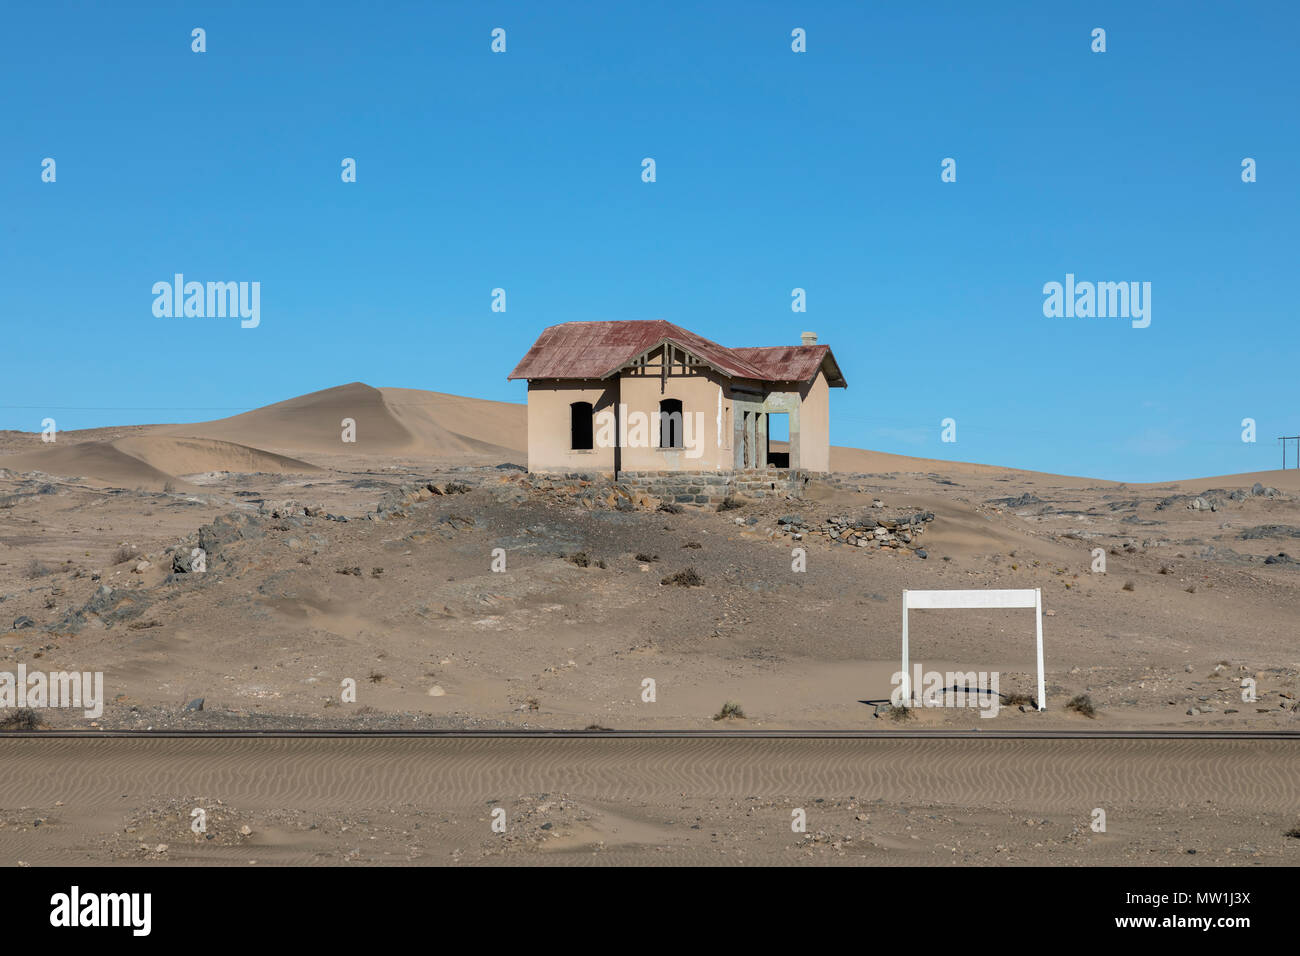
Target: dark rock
column 1023, row 501
column 111, row 606
column 183, row 560
column 1271, row 531
column 227, row 529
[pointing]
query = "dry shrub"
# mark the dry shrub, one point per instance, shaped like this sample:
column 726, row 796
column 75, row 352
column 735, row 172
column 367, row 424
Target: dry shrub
column 1082, row 704
column 730, row 709
column 690, row 578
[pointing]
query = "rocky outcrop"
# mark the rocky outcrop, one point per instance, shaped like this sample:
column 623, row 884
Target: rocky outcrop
column 878, row 531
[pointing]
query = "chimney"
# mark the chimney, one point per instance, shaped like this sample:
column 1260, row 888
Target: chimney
column 809, row 338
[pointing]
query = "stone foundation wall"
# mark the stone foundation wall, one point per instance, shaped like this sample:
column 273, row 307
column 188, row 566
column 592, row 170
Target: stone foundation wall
column 711, row 487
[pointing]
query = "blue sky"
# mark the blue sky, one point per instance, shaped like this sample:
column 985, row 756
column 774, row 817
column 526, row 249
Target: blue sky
column 775, row 170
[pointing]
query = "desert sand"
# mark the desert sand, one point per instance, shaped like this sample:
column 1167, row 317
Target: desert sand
column 647, row 802
column 370, row 565
column 404, row 601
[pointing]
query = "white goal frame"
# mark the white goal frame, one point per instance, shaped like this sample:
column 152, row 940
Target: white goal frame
column 995, row 598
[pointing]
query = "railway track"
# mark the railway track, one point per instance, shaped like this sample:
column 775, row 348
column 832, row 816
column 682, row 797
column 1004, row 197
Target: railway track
column 526, row 734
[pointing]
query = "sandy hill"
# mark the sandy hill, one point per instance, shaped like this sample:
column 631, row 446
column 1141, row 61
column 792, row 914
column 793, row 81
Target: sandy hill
column 149, row 461
column 879, row 462
column 389, row 421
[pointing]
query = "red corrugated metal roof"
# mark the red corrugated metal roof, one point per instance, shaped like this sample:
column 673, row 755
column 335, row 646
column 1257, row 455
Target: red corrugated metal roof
column 792, row 363
column 594, row 350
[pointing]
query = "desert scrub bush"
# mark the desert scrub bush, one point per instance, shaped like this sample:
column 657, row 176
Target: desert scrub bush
column 646, row 558
column 1129, row 586
column 124, row 554
column 668, row 508
column 730, row 709
column 900, row 713
column 24, row 718
column 689, row 578
column 1018, row 699
column 730, row 503
column 35, row 569
column 1082, row 704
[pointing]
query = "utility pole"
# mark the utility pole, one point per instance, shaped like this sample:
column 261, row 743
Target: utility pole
column 1284, row 439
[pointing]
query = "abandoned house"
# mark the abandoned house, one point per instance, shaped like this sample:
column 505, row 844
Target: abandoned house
column 649, row 396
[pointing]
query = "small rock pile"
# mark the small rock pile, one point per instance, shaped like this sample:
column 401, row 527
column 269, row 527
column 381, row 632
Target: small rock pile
column 898, row 532
column 394, row 503
column 592, row 492
column 1214, row 499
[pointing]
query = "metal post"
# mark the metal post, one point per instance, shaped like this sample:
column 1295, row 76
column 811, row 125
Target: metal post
column 907, row 679
column 1038, row 613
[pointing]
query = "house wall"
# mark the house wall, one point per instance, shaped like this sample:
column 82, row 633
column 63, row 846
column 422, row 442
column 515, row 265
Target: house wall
column 814, row 426
column 706, row 414
column 549, row 425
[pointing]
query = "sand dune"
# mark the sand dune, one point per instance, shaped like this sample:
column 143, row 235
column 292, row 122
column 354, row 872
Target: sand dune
column 149, row 461
column 452, row 423
column 389, row 421
column 878, row 462
column 1288, row 480
column 309, row 423
column 189, row 456
column 98, row 461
